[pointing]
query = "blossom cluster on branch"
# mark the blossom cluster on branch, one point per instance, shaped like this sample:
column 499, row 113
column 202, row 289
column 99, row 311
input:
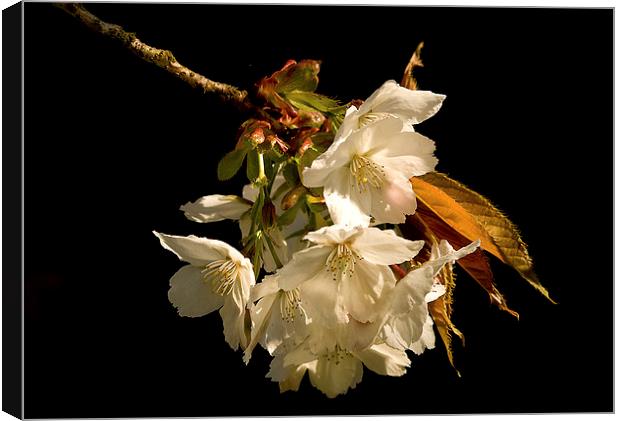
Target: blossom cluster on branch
column 331, row 187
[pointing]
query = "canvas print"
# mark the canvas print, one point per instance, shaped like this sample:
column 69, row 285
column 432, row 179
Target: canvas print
column 261, row 210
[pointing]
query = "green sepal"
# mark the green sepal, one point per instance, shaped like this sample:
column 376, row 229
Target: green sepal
column 230, row 164
column 311, row 101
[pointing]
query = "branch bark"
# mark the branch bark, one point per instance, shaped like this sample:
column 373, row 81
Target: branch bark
column 161, row 58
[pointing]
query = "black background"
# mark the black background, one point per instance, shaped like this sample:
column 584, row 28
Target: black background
column 114, row 145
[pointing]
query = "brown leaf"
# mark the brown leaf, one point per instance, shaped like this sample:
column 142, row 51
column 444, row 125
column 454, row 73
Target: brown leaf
column 475, row 264
column 453, row 214
column 440, row 312
column 408, row 81
column 509, row 247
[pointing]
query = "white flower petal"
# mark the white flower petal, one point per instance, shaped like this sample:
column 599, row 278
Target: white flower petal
column 276, row 327
column 191, row 295
column 362, row 290
column 336, row 156
column 268, row 286
column 297, row 356
column 335, row 376
column 394, row 200
column 198, row 251
column 412, row 106
column 392, row 334
column 293, row 380
column 245, row 223
column 410, row 166
column 384, row 360
column 334, row 234
column 408, row 153
column 249, row 192
column 427, row 340
column 385, row 247
column 304, row 265
column 450, row 256
column 402, row 331
column 289, row 377
column 410, row 291
column 235, row 303
column 357, row 335
column 375, row 136
column 437, row 290
column 215, row 207
column 322, row 300
column 260, row 315
column 233, row 318
column 346, row 203
column 349, row 124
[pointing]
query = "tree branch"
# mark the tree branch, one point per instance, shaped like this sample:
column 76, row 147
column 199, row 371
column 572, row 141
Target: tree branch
column 158, row 57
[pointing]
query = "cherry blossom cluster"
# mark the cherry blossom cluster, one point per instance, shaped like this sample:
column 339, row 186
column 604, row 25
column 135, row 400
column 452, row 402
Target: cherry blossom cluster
column 334, row 296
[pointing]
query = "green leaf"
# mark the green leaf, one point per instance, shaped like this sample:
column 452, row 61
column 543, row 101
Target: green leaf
column 311, row 101
column 302, row 76
column 309, row 155
column 251, row 169
column 336, row 117
column 230, row 164
column 291, row 175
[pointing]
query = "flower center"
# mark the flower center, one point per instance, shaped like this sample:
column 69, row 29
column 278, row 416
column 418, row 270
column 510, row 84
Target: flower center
column 337, row 355
column 365, row 171
column 289, row 304
column 369, row 118
column 342, row 261
column 222, row 275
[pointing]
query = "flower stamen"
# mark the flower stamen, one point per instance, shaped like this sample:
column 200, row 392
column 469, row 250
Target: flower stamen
column 337, row 355
column 222, row 275
column 365, row 171
column 342, row 261
column 289, row 304
column 370, row 117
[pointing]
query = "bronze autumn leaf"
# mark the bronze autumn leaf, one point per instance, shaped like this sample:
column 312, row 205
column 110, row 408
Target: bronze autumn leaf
column 512, row 249
column 441, row 308
column 408, row 81
column 475, row 264
column 441, row 311
column 454, row 215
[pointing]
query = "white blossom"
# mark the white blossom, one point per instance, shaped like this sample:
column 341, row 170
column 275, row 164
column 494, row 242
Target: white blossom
column 217, row 277
column 412, row 107
column 367, row 173
column 407, row 312
column 278, row 316
column 346, row 272
column 333, row 366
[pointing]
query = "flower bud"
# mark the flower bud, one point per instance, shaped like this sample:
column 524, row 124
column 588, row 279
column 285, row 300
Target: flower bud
column 269, row 215
column 256, row 137
column 291, row 198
